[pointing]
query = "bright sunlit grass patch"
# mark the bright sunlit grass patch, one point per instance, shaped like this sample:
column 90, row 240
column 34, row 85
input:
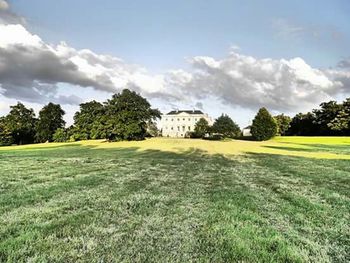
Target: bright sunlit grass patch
column 310, row 147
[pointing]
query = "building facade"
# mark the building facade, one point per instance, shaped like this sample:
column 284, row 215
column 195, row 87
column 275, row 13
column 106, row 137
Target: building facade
column 180, row 122
column 246, row 131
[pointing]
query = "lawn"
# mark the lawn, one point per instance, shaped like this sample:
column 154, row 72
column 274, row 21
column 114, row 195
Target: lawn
column 168, row 200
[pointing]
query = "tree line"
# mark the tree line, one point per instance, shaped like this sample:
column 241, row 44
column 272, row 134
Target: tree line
column 330, row 119
column 129, row 116
column 126, row 116
column 264, row 127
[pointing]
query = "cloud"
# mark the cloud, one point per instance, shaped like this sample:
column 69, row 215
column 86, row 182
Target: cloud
column 199, row 105
column 30, row 69
column 287, row 30
column 248, row 82
column 344, row 63
column 7, row 16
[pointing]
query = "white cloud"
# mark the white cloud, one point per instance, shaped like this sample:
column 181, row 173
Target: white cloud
column 12, row 35
column 7, row 16
column 245, row 81
column 30, row 68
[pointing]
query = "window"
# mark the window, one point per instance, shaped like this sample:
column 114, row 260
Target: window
column 166, row 119
column 172, row 119
column 189, row 119
column 195, row 119
column 178, row 128
column 183, row 119
column 172, row 128
column 178, row 119
column 189, row 128
column 183, row 128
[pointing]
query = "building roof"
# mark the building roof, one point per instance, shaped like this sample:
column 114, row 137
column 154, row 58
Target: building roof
column 174, row 112
column 248, row 127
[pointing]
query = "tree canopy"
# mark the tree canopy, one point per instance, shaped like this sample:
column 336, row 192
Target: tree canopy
column 283, row 123
column 50, row 119
column 5, row 133
column 20, row 123
column 128, row 114
column 88, row 119
column 225, row 126
column 201, row 128
column 264, row 126
column 330, row 119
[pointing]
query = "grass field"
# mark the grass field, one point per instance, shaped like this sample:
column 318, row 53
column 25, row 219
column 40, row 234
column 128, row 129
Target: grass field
column 167, row 200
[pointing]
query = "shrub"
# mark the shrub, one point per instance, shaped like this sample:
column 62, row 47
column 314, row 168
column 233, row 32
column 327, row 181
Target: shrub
column 214, row 137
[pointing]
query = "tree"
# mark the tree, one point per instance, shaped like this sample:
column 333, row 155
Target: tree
column 60, row 135
column 225, row 126
column 128, row 114
column 283, row 123
column 201, row 128
column 20, row 122
column 5, row 133
column 50, row 119
column 152, row 129
column 303, row 125
column 264, row 126
column 87, row 120
column 341, row 123
column 325, row 115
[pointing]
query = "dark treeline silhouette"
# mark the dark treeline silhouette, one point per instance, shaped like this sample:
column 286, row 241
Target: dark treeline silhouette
column 331, row 119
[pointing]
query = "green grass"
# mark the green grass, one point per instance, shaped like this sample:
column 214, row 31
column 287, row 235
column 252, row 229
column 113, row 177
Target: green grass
column 165, row 200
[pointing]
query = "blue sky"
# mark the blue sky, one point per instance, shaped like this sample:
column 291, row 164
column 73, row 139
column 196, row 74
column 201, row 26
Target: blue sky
column 161, row 36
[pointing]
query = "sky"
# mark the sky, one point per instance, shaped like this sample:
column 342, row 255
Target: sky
column 217, row 56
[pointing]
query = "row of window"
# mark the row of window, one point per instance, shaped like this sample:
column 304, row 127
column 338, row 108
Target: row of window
column 179, row 127
column 178, row 119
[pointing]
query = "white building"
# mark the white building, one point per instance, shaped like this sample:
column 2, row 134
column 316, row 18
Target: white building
column 246, row 131
column 179, row 122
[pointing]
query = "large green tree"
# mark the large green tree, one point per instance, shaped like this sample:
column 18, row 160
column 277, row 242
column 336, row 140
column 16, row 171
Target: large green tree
column 201, row 128
column 283, row 123
column 88, row 119
column 303, row 125
column 324, row 116
column 225, row 126
column 50, row 119
column 341, row 123
column 20, row 122
column 264, row 126
column 127, row 116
